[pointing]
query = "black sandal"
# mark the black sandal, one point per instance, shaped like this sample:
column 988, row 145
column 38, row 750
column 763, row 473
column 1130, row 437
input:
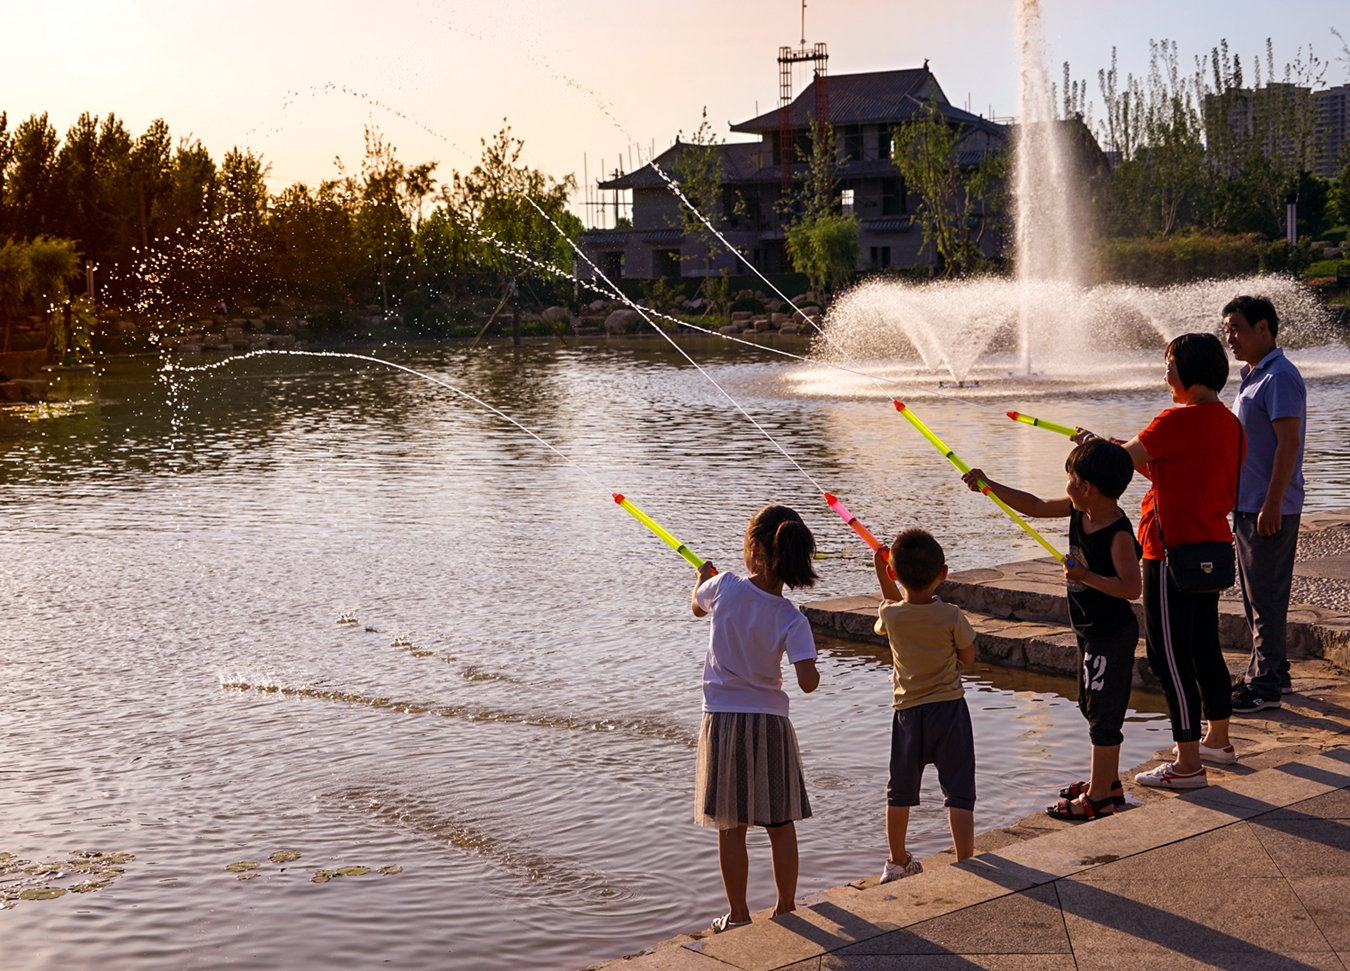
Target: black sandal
column 1076, row 789
column 1091, row 809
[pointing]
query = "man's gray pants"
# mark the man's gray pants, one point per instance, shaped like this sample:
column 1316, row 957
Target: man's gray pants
column 1266, row 572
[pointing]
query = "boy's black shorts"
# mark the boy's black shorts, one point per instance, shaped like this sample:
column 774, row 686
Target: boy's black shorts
column 1106, row 670
column 938, row 734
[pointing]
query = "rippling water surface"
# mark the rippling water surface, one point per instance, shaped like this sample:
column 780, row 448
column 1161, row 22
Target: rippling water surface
column 511, row 718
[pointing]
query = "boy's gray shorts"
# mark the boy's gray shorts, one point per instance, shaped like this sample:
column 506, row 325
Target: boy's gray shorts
column 934, row 734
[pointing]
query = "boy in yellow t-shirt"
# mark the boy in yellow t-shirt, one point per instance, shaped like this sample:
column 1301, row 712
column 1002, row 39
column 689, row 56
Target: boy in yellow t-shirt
column 930, row 642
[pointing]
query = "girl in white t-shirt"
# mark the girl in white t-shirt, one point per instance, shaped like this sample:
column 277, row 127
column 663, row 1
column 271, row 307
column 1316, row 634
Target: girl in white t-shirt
column 749, row 767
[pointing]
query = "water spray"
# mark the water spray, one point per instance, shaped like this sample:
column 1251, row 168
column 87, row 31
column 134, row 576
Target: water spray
column 637, row 513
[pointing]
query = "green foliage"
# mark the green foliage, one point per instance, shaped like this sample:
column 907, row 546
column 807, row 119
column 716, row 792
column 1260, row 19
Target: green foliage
column 1160, row 261
column 698, row 172
column 34, row 276
column 170, row 229
column 1338, row 198
column 747, row 304
column 1212, row 150
column 953, row 198
column 660, row 293
column 825, row 249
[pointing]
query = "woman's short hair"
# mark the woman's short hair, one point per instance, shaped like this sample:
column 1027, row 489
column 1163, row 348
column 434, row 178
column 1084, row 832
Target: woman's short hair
column 1200, row 359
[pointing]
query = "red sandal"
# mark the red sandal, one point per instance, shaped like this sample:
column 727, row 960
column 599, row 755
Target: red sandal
column 1090, row 809
column 1075, row 789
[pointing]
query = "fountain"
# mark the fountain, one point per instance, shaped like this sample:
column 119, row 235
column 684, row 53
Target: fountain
column 1047, row 325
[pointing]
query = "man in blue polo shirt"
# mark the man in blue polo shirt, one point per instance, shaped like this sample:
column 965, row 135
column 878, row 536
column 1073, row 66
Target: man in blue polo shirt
column 1272, row 406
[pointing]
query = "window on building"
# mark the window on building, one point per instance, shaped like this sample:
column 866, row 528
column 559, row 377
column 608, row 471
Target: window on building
column 846, row 202
column 885, row 142
column 892, row 196
column 665, row 263
column 611, row 264
column 881, row 257
column 852, row 138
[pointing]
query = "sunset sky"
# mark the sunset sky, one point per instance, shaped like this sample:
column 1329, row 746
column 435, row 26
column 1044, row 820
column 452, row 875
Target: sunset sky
column 254, row 73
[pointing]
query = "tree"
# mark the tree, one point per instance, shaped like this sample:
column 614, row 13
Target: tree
column 697, row 171
column 31, row 185
column 517, row 212
column 825, row 248
column 952, row 198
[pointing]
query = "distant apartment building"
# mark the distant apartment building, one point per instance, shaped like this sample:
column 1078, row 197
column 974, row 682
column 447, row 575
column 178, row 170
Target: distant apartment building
column 864, row 110
column 1334, row 127
column 1329, row 149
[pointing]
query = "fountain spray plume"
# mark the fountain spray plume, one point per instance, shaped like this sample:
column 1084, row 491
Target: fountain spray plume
column 624, row 503
column 1049, row 217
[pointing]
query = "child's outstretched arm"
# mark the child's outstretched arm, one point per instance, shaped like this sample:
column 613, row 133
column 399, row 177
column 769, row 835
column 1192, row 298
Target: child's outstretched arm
column 889, row 590
column 704, row 572
column 1023, row 502
column 1127, row 584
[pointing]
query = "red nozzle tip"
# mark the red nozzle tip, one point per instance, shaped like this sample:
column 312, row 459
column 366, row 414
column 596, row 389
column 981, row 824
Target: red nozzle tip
column 899, row 406
column 1011, row 414
column 618, row 497
column 886, row 553
column 830, row 499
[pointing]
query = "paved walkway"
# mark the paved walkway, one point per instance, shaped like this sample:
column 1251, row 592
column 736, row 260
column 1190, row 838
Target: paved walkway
column 1251, row 873
column 1254, row 874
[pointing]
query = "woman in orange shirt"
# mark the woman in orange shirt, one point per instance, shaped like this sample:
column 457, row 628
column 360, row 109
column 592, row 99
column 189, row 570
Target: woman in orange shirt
column 1191, row 454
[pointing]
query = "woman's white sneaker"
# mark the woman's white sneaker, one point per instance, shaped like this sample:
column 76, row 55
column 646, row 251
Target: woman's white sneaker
column 1214, row 756
column 1166, row 776
column 898, row 871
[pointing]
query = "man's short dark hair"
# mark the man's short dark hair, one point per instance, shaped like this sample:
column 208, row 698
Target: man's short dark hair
column 916, row 558
column 1254, row 310
column 1102, row 463
column 1200, row 359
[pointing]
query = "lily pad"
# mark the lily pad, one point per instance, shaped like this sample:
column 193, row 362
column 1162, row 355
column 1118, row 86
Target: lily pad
column 241, row 866
column 117, row 857
column 352, row 871
column 42, row 893
column 283, row 856
column 322, row 876
column 248, row 876
column 391, row 869
column 87, row 886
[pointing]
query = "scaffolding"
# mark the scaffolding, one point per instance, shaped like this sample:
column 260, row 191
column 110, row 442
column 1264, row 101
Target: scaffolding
column 604, row 208
column 819, row 57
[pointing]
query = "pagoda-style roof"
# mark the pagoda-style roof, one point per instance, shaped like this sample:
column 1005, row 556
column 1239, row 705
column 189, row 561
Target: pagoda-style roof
column 876, row 97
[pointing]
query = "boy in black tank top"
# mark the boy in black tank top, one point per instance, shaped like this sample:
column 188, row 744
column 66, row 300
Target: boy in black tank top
column 1102, row 574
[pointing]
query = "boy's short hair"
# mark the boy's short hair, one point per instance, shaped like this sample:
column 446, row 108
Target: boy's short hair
column 1200, row 359
column 1254, row 310
column 916, row 558
column 1102, row 463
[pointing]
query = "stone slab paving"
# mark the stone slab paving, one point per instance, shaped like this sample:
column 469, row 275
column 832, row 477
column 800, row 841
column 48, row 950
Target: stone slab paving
column 1253, row 874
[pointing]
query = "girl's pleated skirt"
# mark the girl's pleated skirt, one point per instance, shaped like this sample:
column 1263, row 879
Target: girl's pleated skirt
column 749, row 772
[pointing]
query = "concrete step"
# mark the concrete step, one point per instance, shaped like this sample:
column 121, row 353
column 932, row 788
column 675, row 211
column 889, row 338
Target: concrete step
column 1028, row 644
column 1033, row 590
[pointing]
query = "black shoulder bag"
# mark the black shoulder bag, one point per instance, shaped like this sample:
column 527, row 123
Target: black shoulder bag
column 1200, row 567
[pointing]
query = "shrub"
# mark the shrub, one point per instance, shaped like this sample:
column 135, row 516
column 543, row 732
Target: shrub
column 752, row 304
column 1179, row 259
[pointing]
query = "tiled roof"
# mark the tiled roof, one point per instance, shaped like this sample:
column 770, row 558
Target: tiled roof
column 605, row 237
column 869, row 99
column 740, row 162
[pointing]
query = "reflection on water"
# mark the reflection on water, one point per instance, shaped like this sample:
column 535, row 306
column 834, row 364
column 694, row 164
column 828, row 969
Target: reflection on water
column 166, row 536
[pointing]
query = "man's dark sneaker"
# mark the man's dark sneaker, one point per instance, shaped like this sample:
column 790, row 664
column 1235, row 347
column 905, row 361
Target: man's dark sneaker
column 1246, row 701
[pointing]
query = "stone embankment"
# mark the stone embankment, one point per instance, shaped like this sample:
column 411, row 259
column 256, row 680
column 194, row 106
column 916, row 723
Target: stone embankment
column 1251, row 872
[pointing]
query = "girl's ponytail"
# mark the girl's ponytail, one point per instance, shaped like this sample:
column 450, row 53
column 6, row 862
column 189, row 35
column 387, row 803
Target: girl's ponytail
column 789, row 548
